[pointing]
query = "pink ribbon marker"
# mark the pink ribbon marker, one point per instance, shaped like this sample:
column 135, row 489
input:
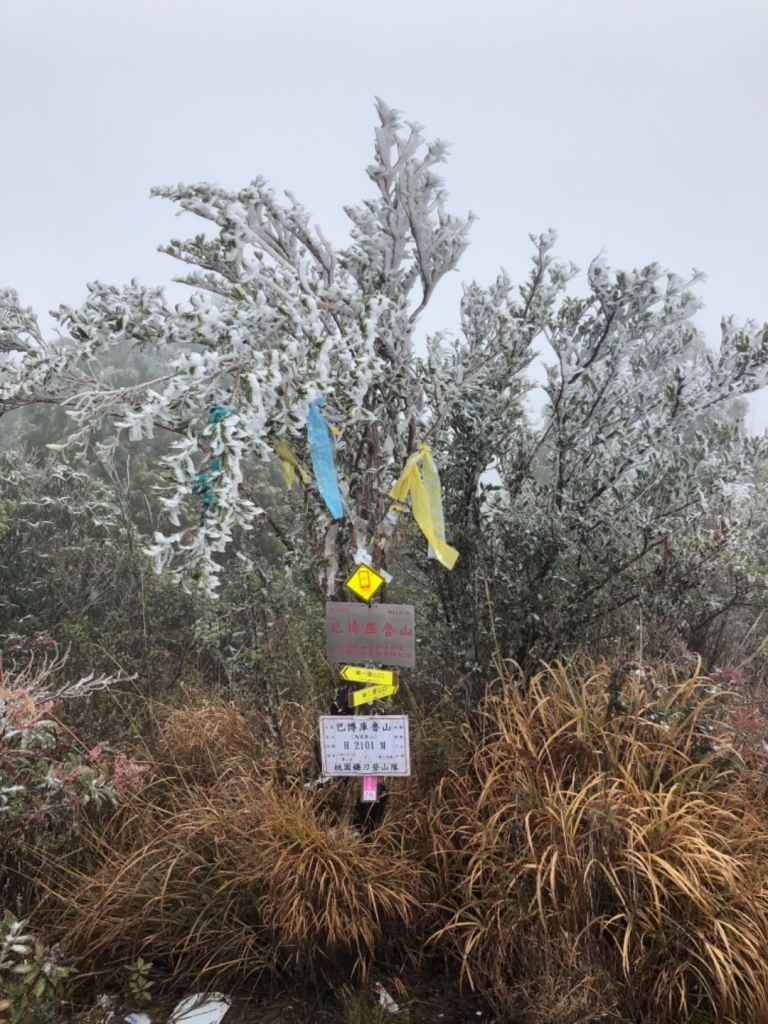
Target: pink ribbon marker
column 369, row 789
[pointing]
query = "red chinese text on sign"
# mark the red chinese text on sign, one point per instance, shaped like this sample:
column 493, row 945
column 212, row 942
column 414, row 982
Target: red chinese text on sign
column 378, row 634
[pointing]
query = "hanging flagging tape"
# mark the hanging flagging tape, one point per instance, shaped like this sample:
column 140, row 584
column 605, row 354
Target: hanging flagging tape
column 290, row 463
column 217, row 414
column 321, row 455
column 420, row 479
column 202, row 484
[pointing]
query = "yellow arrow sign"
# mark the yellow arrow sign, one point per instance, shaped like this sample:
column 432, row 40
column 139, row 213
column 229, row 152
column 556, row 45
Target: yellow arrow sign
column 359, row 674
column 365, row 582
column 371, row 693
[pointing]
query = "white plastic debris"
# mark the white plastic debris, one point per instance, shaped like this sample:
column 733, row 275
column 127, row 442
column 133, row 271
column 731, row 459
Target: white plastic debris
column 386, row 1002
column 201, row 1009
column 321, row 780
column 363, row 557
column 105, row 1004
column 137, row 1018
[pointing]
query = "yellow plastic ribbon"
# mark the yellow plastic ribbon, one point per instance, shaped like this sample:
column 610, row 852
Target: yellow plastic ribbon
column 420, row 479
column 290, row 463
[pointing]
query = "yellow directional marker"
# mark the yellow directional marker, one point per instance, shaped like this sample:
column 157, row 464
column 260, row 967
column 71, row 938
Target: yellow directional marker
column 371, row 693
column 365, row 582
column 359, row 674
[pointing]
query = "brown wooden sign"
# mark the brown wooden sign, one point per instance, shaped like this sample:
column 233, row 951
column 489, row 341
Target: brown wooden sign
column 379, row 634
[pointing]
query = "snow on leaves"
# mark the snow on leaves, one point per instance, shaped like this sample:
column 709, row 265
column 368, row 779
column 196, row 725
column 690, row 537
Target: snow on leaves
column 279, row 318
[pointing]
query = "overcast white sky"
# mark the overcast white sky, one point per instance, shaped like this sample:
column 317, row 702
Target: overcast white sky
column 637, row 126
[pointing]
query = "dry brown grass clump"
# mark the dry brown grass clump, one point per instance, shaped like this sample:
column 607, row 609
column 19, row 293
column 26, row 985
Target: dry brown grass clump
column 226, row 866
column 200, row 738
column 589, row 848
column 603, row 859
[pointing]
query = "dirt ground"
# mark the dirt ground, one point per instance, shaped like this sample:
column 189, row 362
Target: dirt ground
column 426, row 1002
column 420, row 1000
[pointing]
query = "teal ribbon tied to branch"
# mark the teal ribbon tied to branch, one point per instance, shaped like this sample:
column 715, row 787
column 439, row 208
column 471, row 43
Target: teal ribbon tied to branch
column 217, row 414
column 203, row 482
column 202, row 486
column 321, row 457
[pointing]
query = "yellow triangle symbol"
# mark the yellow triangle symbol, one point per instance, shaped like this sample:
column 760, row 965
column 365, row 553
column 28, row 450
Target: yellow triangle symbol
column 365, row 582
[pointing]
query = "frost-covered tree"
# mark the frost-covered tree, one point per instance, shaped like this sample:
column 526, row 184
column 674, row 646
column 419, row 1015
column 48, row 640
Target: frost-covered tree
column 289, row 347
column 614, row 507
column 279, row 322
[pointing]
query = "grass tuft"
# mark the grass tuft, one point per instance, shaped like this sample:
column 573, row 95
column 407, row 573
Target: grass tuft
column 605, row 864
column 590, row 845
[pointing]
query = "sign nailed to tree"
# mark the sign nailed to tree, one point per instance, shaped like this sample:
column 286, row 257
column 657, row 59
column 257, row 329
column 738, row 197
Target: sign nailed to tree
column 365, row 582
column 371, row 693
column 378, row 634
column 372, row 676
column 376, row 745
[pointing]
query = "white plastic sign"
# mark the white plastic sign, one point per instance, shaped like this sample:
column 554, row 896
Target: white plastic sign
column 365, row 745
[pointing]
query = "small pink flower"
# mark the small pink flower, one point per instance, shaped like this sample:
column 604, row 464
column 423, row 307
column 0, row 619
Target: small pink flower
column 126, row 774
column 95, row 754
column 732, row 675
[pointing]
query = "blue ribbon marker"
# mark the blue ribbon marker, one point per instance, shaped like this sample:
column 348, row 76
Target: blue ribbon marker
column 202, row 486
column 217, row 414
column 321, row 456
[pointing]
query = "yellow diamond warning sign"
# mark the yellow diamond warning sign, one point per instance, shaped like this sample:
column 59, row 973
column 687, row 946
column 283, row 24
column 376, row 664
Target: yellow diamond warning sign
column 365, row 582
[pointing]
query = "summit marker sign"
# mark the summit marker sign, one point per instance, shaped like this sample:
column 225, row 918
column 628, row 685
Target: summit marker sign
column 379, row 634
column 352, row 745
